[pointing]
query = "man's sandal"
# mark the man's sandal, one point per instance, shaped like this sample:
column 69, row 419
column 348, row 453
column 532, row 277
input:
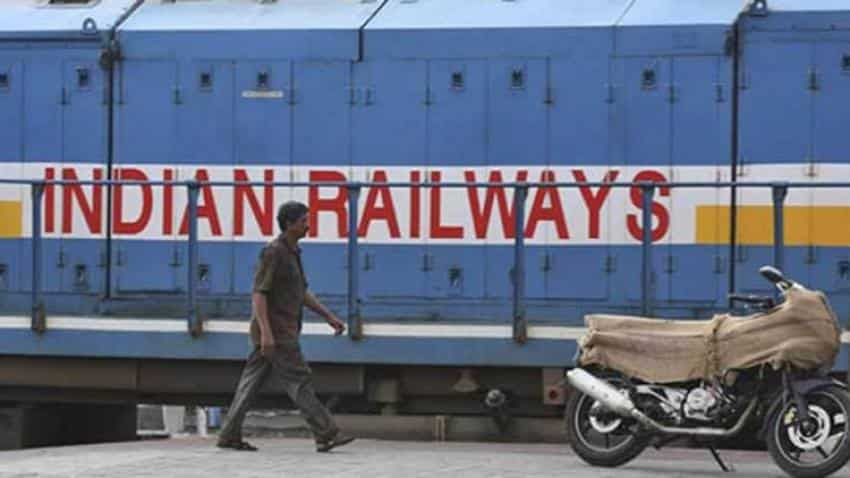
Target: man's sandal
column 237, row 445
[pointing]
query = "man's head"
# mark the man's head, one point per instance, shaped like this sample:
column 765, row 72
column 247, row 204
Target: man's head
column 293, row 219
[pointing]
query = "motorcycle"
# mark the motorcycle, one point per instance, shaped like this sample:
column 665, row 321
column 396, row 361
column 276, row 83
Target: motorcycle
column 641, row 382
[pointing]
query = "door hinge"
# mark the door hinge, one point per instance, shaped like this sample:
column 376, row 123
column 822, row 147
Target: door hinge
column 814, row 81
column 610, row 263
column 609, row 93
column 427, row 262
column 546, row 262
column 549, row 97
column 670, row 263
column 718, row 93
column 719, row 264
column 671, row 93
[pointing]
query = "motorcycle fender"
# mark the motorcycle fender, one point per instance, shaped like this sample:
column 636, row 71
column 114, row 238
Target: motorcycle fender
column 802, row 387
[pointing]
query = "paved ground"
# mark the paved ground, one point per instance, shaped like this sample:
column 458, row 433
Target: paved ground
column 287, row 457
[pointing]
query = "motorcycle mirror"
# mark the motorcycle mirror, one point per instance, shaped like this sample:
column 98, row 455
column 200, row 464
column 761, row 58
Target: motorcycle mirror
column 772, row 274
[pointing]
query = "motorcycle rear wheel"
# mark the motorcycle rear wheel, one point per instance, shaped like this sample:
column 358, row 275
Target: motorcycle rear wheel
column 599, row 437
column 822, row 449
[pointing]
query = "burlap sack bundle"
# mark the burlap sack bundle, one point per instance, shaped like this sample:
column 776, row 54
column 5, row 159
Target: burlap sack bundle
column 802, row 331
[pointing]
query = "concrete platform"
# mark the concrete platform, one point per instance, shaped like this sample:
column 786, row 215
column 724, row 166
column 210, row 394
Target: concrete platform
column 286, row 457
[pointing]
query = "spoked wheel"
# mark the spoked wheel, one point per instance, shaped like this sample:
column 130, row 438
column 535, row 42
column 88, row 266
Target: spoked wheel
column 820, row 445
column 601, row 437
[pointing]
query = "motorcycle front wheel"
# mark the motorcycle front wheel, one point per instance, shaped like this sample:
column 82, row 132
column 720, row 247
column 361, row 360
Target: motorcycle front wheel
column 816, row 448
column 601, row 437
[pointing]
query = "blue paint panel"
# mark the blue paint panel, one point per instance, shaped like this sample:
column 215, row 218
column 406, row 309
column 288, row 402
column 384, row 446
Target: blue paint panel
column 751, row 258
column 263, row 123
column 627, row 278
column 829, row 270
column 245, row 257
column 11, row 150
column 391, row 271
column 499, row 264
column 828, row 266
column 697, row 273
column 457, row 114
column 322, row 113
column 83, row 265
column 578, row 135
column 389, row 128
column 11, row 261
column 578, row 115
column 701, row 116
column 775, row 70
column 205, row 113
column 646, row 110
column 145, row 114
column 43, row 109
column 702, row 111
column 832, row 101
column 576, row 272
column 388, row 122
column 11, row 109
column 85, row 114
column 215, row 269
column 404, row 351
column 517, row 114
column 148, row 266
column 324, row 266
column 456, row 272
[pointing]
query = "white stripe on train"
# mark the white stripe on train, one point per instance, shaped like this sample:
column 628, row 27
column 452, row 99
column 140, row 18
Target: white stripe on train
column 551, row 332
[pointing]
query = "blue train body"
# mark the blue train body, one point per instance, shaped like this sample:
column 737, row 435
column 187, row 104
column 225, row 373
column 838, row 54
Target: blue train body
column 411, row 91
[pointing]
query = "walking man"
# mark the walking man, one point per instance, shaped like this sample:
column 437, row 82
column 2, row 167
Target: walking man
column 279, row 294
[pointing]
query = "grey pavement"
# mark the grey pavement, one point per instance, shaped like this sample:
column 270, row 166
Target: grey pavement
column 288, row 457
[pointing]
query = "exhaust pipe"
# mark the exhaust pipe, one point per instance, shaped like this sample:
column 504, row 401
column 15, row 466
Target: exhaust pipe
column 617, row 402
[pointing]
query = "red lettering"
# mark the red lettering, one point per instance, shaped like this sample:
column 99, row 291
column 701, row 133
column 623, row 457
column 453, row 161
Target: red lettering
column 594, row 202
column 438, row 230
column 167, row 203
column 634, row 222
column 206, row 208
column 120, row 226
column 49, row 214
column 415, row 204
column 372, row 212
column 481, row 218
column 92, row 212
column 335, row 204
column 554, row 213
column 264, row 215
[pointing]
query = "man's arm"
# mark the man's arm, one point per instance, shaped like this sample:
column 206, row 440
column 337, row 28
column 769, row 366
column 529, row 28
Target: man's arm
column 261, row 309
column 316, row 306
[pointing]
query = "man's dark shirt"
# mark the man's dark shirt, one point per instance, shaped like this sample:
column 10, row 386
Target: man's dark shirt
column 280, row 276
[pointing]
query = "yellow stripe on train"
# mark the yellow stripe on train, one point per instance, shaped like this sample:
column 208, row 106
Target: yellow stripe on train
column 11, row 223
column 804, row 225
